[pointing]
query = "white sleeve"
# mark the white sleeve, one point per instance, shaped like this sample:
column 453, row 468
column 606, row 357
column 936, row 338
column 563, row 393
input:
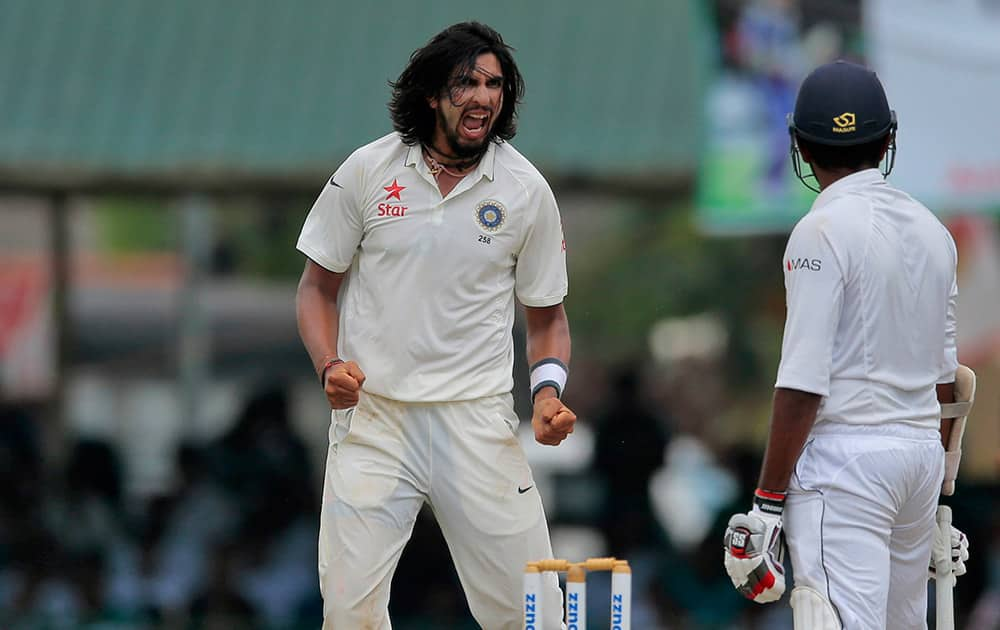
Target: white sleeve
column 950, row 360
column 334, row 226
column 815, row 276
column 540, row 276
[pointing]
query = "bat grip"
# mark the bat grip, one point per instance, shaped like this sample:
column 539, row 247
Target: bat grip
column 944, row 582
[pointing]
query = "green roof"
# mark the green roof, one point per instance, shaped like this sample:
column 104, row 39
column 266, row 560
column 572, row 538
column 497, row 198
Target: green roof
column 231, row 93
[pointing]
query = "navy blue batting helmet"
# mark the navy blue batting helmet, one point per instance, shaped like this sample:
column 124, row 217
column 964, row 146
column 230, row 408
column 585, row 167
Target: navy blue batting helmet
column 842, row 104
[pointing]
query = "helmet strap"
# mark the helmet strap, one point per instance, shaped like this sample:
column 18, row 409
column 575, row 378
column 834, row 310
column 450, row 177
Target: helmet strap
column 797, row 166
column 890, row 155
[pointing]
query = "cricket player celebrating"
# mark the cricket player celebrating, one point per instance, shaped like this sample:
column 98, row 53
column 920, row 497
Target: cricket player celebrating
column 854, row 461
column 417, row 248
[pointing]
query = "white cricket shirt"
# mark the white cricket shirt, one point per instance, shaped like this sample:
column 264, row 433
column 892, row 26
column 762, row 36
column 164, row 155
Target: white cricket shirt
column 870, row 281
column 427, row 303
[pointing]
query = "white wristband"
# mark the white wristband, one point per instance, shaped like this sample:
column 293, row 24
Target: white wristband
column 549, row 372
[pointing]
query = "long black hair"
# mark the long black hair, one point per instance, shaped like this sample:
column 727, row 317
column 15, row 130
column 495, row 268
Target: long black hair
column 432, row 68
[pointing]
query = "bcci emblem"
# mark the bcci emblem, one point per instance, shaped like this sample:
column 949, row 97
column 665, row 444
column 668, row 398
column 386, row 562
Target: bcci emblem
column 490, row 214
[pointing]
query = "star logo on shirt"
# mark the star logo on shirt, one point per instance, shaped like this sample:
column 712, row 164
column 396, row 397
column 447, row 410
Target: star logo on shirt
column 393, row 190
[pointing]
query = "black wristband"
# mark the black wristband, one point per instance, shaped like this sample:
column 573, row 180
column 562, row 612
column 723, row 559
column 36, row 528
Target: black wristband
column 769, row 501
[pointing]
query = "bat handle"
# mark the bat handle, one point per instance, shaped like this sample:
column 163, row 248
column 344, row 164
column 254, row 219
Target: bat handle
column 945, row 578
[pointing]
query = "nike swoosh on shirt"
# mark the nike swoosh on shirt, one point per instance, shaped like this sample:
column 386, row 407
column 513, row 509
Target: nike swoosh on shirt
column 333, row 183
column 521, row 490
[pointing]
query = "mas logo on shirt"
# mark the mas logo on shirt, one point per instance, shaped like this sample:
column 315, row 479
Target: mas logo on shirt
column 806, row 264
column 490, row 215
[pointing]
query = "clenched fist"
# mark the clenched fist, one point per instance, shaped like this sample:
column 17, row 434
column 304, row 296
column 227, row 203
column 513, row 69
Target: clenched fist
column 552, row 420
column 342, row 383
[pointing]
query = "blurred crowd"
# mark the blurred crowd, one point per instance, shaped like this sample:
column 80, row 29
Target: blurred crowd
column 232, row 545
column 663, row 454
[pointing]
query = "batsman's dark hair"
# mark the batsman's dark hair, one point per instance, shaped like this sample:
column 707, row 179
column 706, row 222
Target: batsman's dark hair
column 431, row 70
column 854, row 157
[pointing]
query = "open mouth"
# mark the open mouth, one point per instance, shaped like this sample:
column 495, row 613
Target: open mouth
column 474, row 125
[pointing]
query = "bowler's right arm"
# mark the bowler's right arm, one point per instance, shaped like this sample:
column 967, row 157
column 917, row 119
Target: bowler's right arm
column 319, row 325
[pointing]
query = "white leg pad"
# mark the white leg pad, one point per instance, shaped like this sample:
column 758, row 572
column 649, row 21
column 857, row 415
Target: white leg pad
column 812, row 611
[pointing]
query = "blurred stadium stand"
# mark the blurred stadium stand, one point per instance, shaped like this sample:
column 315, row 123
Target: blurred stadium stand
column 161, row 434
column 198, row 104
column 237, row 96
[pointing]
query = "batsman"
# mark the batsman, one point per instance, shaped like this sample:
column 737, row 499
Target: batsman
column 865, row 431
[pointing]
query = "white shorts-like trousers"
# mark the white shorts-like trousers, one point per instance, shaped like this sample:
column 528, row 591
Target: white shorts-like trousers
column 859, row 522
column 386, row 459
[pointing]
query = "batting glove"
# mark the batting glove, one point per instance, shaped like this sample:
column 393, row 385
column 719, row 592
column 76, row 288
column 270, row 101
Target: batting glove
column 959, row 554
column 754, row 549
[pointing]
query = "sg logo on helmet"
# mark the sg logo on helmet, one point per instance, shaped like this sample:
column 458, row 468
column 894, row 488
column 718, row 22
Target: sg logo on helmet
column 845, row 123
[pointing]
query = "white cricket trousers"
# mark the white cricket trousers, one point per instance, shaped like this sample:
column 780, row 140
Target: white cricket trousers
column 859, row 521
column 387, row 458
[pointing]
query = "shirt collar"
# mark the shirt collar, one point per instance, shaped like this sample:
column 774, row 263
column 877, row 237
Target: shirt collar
column 413, row 156
column 486, row 167
column 867, row 177
column 487, row 164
